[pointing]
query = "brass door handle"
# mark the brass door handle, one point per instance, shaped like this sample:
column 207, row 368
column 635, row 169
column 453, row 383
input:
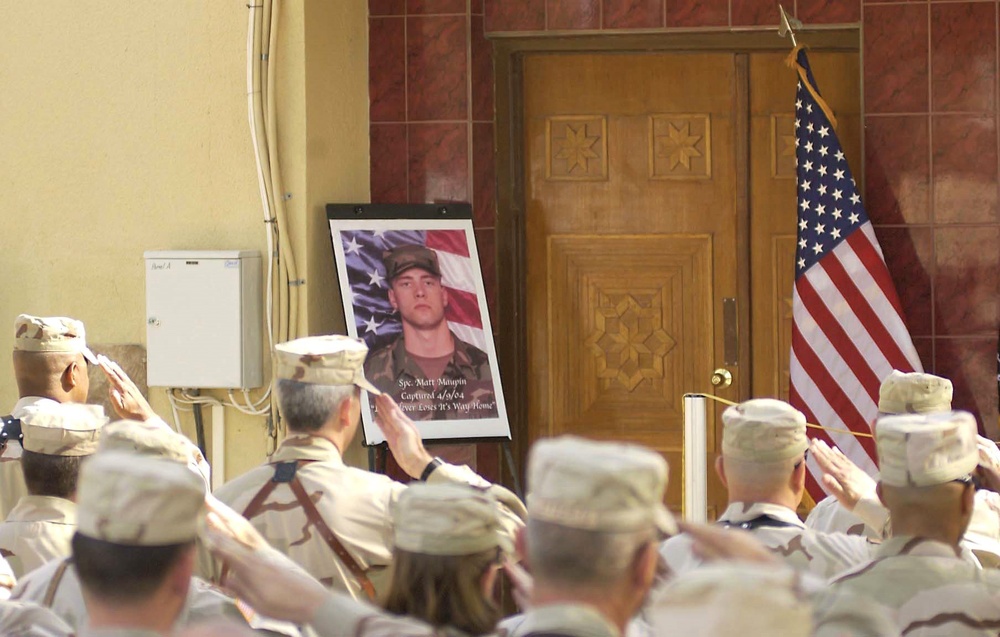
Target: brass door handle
column 722, row 378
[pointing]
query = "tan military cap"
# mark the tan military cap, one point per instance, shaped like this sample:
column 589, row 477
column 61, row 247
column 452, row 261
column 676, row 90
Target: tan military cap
column 601, row 486
column 134, row 501
column 448, row 519
column 914, row 393
column 763, row 430
column 732, row 600
column 324, row 360
column 63, row 429
column 51, row 334
column 144, row 438
column 399, row 260
column 921, row 450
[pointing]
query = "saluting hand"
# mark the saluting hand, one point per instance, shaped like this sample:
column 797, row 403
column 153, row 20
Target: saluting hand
column 126, row 399
column 844, row 479
column 402, row 436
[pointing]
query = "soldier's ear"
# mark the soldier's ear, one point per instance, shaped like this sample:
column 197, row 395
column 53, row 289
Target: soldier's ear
column 392, row 300
column 720, row 469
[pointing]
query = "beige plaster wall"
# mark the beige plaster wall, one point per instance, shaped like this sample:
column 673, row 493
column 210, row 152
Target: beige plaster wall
column 124, row 129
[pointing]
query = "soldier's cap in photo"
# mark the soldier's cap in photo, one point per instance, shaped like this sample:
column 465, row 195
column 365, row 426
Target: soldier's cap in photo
column 63, row 429
column 923, row 450
column 406, row 257
column 448, row 519
column 763, row 430
column 152, row 502
column 324, row 360
column 914, row 393
column 51, row 334
column 599, row 486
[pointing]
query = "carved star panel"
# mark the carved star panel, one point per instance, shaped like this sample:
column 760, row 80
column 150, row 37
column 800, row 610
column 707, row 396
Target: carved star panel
column 783, row 146
column 576, row 148
column 680, row 146
column 630, row 325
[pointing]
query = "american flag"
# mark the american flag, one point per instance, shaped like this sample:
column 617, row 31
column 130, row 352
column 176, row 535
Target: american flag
column 377, row 323
column 848, row 331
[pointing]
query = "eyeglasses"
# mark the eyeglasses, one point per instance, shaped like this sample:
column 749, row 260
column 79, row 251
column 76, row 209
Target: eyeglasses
column 805, row 456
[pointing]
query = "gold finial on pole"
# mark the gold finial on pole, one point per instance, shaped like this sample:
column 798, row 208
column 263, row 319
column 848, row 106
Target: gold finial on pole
column 787, row 24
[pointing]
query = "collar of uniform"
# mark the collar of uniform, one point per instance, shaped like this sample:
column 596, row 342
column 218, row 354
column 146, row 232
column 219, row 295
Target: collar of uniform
column 744, row 511
column 118, row 632
column 306, row 447
column 403, row 362
column 567, row 619
column 43, row 508
column 915, row 546
column 26, row 405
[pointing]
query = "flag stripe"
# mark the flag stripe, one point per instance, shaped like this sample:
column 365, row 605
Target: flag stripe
column 874, row 262
column 456, row 272
column 452, row 241
column 845, row 351
column 832, row 393
column 463, row 308
column 468, row 334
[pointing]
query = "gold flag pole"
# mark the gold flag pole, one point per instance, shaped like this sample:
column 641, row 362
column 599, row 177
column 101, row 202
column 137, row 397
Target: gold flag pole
column 785, row 28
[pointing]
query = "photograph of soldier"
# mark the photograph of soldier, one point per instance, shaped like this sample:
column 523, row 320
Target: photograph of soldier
column 415, row 306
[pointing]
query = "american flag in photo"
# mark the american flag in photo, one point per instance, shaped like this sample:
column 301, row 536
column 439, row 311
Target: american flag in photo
column 377, row 323
column 848, row 330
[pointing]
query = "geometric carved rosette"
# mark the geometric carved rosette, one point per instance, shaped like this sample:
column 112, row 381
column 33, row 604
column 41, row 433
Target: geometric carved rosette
column 680, row 146
column 783, row 146
column 628, row 340
column 576, row 148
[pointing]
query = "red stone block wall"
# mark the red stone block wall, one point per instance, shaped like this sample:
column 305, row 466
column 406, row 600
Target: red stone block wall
column 931, row 143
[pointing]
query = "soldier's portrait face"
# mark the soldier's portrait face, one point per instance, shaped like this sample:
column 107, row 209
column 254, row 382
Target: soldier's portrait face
column 419, row 298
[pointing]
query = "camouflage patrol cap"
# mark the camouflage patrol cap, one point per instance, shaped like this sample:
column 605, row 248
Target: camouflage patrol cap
column 51, row 334
column 448, row 519
column 914, row 393
column 144, row 438
column 324, row 360
column 139, row 502
column 600, row 486
column 763, row 430
column 63, row 429
column 731, row 600
column 400, row 259
column 922, row 450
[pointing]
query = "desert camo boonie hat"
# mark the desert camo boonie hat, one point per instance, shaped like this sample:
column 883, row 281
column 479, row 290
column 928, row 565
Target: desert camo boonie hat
column 145, row 439
column 922, row 450
column 600, row 486
column 763, row 430
column 63, row 429
column 448, row 519
column 139, row 502
column 399, row 260
column 324, row 360
column 732, row 600
column 914, row 393
column 51, row 334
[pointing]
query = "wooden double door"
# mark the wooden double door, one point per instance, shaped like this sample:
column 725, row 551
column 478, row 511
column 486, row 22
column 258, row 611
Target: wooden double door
column 659, row 236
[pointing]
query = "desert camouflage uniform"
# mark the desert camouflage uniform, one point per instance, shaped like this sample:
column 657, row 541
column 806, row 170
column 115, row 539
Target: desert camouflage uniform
column 355, row 504
column 38, row 530
column 12, row 487
column 822, row 554
column 57, row 587
column 572, row 620
column 19, row 619
column 467, row 390
column 928, row 589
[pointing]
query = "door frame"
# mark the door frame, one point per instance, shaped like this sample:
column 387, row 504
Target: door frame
column 508, row 64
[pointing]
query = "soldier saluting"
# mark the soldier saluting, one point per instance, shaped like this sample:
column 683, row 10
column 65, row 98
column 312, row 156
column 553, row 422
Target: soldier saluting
column 428, row 370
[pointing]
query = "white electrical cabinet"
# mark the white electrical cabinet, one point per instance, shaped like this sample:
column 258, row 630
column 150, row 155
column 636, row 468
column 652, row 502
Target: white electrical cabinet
column 203, row 319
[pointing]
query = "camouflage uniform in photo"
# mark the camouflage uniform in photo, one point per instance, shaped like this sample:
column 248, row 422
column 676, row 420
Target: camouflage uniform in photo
column 40, row 527
column 354, row 504
column 766, row 430
column 924, row 584
column 20, row 619
column 918, row 393
column 36, row 334
column 467, row 389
